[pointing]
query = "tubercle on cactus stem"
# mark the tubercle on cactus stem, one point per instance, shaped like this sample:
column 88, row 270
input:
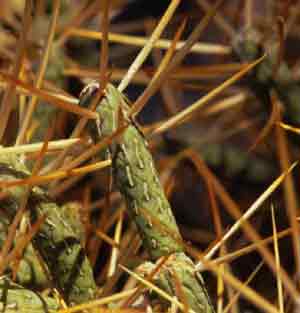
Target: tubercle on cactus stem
column 138, row 181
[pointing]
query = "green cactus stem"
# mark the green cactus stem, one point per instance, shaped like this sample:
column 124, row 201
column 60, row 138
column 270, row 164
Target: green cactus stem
column 58, row 240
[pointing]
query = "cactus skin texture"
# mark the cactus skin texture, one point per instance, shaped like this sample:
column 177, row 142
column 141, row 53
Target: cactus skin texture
column 181, row 268
column 16, row 299
column 262, row 80
column 138, row 181
column 58, row 240
column 135, row 175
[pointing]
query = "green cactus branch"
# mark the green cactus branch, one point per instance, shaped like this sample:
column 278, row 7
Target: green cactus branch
column 30, row 271
column 16, row 299
column 58, row 240
column 138, row 181
column 269, row 74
